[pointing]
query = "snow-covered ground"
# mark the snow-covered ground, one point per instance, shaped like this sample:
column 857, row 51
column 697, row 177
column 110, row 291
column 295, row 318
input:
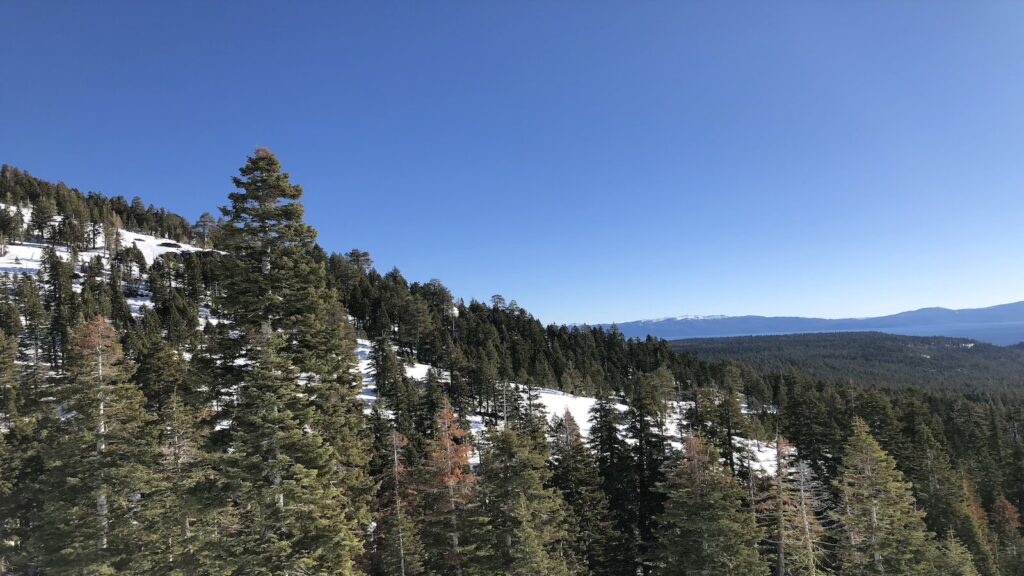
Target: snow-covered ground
column 760, row 454
column 26, row 257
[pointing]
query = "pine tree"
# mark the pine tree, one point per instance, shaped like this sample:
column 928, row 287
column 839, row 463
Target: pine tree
column 645, row 428
column 947, row 497
column 23, row 469
column 61, row 304
column 397, row 548
column 522, row 530
column 955, row 559
column 793, row 510
column 882, row 531
column 704, row 529
column 614, row 465
column 10, row 460
column 1010, row 544
column 448, row 492
column 98, row 461
column 173, row 397
column 574, row 475
column 297, row 448
column 284, row 509
column 43, row 212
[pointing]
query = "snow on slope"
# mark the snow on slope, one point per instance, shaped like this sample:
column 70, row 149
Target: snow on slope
column 27, row 257
column 761, row 455
column 153, row 247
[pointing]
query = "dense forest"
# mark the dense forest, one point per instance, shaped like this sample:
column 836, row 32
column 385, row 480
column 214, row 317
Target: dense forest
column 874, row 359
column 200, row 414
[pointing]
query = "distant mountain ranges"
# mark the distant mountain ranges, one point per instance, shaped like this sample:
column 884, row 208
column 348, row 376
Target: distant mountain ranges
column 1002, row 325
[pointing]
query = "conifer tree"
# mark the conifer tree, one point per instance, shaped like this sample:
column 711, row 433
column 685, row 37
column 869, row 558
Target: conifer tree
column 10, row 460
column 43, row 212
column 793, row 509
column 98, row 461
column 449, row 490
column 614, row 464
column 882, row 531
column 32, row 342
column 704, row 529
column 174, row 399
column 1009, row 543
column 645, row 428
column 284, row 508
column 522, row 529
column 22, row 472
column 947, row 497
column 61, row 304
column 955, row 559
column 574, row 475
column 397, row 548
column 294, row 468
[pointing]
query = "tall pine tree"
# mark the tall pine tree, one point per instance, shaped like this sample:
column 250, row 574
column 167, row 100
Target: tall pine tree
column 99, row 460
column 704, row 528
column 296, row 444
column 882, row 531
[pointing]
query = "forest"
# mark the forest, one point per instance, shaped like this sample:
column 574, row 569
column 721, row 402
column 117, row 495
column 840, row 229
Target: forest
column 874, row 359
column 197, row 408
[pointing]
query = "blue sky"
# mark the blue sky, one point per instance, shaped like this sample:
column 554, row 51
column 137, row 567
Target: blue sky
column 595, row 161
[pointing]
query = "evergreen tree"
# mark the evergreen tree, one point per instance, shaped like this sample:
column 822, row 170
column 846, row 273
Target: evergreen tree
column 614, row 465
column 574, row 475
column 955, row 559
column 645, row 428
column 793, row 509
column 1010, row 545
column 173, row 397
column 10, row 460
column 522, row 529
column 397, row 549
column 882, row 531
column 61, row 305
column 704, row 529
column 98, row 461
column 284, row 510
column 22, row 472
column 43, row 212
column 947, row 497
column 294, row 468
column 448, row 492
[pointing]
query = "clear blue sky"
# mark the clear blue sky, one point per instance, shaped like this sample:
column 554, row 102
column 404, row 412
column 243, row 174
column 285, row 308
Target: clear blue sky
column 595, row 161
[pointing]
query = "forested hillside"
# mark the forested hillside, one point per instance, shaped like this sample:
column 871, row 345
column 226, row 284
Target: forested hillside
column 187, row 399
column 874, row 359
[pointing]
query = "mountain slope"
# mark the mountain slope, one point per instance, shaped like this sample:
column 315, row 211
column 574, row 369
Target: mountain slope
column 1002, row 325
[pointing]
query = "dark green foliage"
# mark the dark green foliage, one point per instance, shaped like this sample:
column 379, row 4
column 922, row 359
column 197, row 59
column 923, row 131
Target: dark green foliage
column 882, row 531
column 61, row 305
column 645, row 428
column 574, row 474
column 873, row 359
column 614, row 463
column 704, row 529
column 285, row 511
column 523, row 528
column 395, row 545
column 292, row 473
column 98, row 461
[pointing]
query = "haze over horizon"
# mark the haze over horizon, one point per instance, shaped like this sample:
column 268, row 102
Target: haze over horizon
column 610, row 165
